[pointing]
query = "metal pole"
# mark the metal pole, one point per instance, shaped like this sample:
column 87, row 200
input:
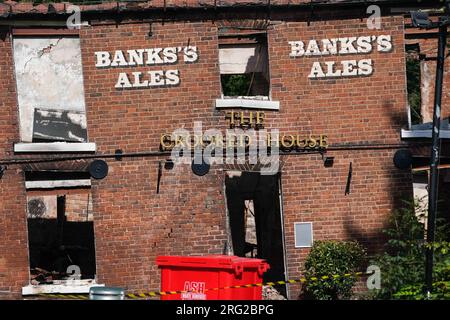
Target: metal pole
column 435, row 150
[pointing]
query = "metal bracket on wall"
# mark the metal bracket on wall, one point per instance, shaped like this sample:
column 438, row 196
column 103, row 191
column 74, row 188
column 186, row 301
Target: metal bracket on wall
column 118, row 154
column 164, row 12
column 159, row 176
column 268, row 9
column 349, row 179
column 364, row 11
column 118, row 19
column 215, row 11
column 150, row 30
column 311, row 9
column 2, row 170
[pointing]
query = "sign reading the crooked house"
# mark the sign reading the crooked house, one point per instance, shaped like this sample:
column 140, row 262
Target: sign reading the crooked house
column 240, row 138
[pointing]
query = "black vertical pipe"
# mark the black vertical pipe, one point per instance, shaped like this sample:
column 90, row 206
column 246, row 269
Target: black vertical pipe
column 60, row 219
column 435, row 150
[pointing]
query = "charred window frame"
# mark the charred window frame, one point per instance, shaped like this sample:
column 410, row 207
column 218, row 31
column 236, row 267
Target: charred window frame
column 60, row 224
column 414, row 81
column 49, row 86
column 244, row 66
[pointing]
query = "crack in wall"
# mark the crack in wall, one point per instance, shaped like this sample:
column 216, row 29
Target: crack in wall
column 41, row 52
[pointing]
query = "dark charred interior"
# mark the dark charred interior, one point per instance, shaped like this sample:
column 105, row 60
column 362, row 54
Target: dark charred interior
column 263, row 190
column 56, row 244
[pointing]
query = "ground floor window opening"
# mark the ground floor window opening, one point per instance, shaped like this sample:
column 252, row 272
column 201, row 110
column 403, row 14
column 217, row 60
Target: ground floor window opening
column 255, row 220
column 60, row 238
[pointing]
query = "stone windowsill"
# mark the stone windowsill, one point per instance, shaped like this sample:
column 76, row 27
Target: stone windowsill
column 415, row 133
column 51, row 184
column 36, row 147
column 247, row 103
column 63, row 286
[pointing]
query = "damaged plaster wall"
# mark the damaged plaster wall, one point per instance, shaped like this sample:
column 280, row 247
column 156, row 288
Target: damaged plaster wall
column 48, row 74
column 78, row 207
column 240, row 59
column 427, row 91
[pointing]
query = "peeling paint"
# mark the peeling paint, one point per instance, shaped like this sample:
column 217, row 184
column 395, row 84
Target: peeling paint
column 427, row 91
column 49, row 76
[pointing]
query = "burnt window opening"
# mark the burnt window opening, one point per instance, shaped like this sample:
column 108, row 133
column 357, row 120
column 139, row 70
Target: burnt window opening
column 50, row 89
column 60, row 229
column 254, row 212
column 244, row 66
column 251, row 247
column 413, row 77
column 420, row 192
column 420, row 179
column 59, row 125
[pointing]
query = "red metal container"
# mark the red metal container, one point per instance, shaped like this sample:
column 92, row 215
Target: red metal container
column 197, row 274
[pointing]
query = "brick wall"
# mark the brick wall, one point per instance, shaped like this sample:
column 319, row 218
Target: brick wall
column 13, row 245
column 368, row 110
column 133, row 224
column 78, row 206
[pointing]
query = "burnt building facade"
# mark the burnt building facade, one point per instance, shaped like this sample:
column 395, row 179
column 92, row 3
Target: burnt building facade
column 115, row 81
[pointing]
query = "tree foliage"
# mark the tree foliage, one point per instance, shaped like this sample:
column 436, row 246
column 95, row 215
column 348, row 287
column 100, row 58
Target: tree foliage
column 234, row 85
column 413, row 87
column 403, row 264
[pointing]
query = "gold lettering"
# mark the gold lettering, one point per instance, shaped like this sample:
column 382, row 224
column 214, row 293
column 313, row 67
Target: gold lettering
column 259, row 118
column 217, row 141
column 312, row 142
column 243, row 141
column 164, row 138
column 231, row 113
column 231, row 138
column 179, row 141
column 242, row 118
column 323, row 141
column 251, row 119
column 168, row 141
column 291, row 141
column 301, row 143
column 271, row 141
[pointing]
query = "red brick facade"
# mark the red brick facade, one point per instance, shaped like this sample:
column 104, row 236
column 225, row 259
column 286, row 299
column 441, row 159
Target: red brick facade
column 133, row 224
column 13, row 227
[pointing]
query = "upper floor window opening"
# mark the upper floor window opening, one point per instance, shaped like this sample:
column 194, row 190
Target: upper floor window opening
column 50, row 89
column 244, row 66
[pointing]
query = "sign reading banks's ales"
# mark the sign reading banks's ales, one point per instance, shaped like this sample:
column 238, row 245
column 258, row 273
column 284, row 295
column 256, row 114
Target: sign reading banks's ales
column 341, row 46
column 146, row 57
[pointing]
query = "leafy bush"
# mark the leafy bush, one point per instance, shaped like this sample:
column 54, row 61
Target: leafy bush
column 403, row 264
column 441, row 285
column 329, row 258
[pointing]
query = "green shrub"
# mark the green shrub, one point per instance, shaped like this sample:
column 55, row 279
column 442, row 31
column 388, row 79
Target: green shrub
column 403, row 264
column 329, row 258
column 441, row 283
